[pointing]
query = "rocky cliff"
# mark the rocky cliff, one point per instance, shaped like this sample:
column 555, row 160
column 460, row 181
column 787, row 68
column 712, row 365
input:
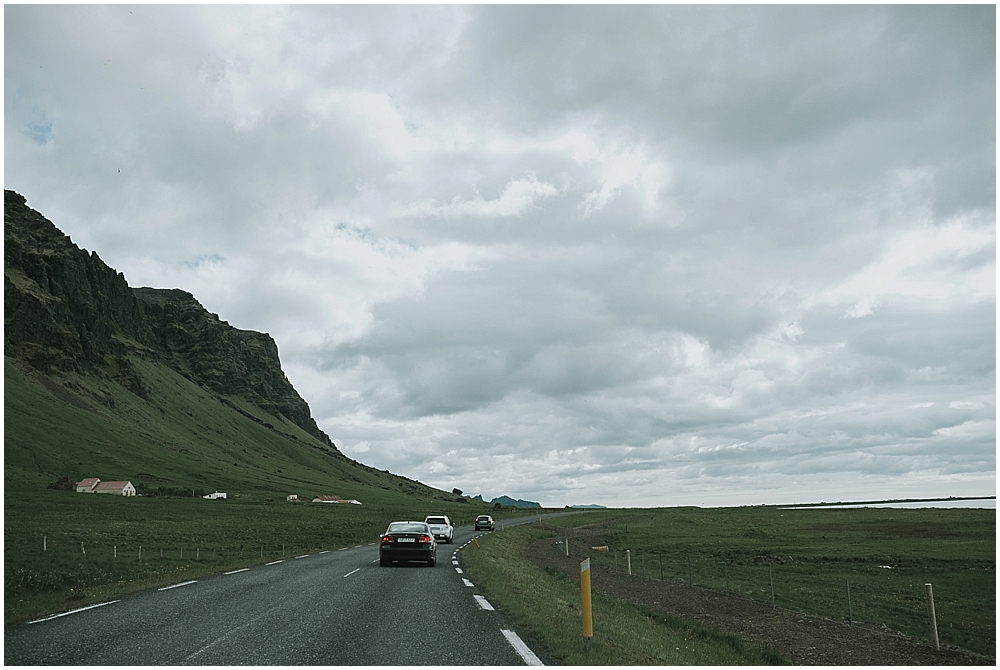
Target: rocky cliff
column 66, row 310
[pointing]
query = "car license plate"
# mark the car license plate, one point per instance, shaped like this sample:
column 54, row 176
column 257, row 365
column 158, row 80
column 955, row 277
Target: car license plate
column 405, row 539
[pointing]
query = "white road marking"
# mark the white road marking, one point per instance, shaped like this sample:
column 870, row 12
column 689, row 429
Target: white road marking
column 454, row 563
column 303, row 556
column 521, row 648
column 325, row 552
column 342, row 548
column 280, row 560
column 483, row 602
column 467, row 582
column 352, row 572
column 79, row 609
column 233, row 572
column 174, row 586
column 458, row 570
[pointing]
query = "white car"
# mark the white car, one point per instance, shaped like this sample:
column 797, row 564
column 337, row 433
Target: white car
column 441, row 528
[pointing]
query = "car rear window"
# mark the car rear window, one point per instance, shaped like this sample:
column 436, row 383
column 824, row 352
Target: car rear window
column 436, row 519
column 483, row 518
column 405, row 527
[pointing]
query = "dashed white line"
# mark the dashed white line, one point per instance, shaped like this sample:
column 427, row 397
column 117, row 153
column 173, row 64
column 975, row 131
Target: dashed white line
column 233, row 572
column 467, row 582
column 174, row 586
column 79, row 609
column 521, row 648
column 455, row 563
column 325, row 552
column 483, row 602
column 303, row 556
column 352, row 572
column 458, row 570
column 280, row 560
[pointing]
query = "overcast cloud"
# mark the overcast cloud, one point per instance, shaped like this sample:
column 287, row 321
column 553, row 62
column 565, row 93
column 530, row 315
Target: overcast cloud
column 644, row 255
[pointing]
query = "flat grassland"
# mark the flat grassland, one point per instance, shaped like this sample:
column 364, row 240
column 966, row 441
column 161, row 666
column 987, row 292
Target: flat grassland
column 65, row 549
column 809, row 556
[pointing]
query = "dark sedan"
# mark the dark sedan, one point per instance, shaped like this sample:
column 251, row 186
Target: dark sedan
column 407, row 541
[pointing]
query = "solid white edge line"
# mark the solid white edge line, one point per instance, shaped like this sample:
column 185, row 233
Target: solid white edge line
column 352, row 572
column 79, row 609
column 233, row 572
column 174, row 586
column 483, row 602
column 521, row 648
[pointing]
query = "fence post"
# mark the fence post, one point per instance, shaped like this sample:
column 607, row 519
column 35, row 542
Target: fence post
column 566, row 540
column 850, row 611
column 82, row 550
column 628, row 561
column 45, row 543
column 770, row 576
column 932, row 616
column 116, row 551
column 660, row 557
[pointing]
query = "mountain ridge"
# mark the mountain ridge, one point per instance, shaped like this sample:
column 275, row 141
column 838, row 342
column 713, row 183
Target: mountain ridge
column 67, row 311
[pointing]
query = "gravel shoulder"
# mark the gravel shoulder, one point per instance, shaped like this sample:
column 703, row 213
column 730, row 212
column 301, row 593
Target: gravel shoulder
column 802, row 639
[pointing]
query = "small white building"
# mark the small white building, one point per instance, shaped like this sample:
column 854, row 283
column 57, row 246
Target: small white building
column 115, row 488
column 215, row 496
column 87, row 485
column 292, row 498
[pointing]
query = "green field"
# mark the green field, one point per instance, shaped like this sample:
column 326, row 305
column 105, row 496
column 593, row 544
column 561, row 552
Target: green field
column 64, row 549
column 809, row 555
column 548, row 605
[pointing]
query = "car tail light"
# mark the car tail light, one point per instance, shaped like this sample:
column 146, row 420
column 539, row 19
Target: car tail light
column 424, row 538
column 386, row 539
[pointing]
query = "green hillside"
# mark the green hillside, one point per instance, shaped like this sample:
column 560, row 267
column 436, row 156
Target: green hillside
column 184, row 437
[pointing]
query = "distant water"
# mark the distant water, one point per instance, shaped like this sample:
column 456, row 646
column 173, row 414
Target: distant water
column 975, row 503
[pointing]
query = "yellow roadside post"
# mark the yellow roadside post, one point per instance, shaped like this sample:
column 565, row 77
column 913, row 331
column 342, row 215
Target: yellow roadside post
column 588, row 619
column 476, row 541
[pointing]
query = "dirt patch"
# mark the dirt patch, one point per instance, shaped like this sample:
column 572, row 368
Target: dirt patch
column 802, row 639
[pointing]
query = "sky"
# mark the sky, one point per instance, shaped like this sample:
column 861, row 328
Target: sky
column 623, row 255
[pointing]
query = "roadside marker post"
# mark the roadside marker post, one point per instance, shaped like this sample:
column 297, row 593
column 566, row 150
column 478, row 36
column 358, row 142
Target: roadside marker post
column 477, row 542
column 588, row 618
column 628, row 561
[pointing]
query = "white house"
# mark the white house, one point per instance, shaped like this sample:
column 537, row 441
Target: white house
column 87, row 485
column 215, row 496
column 114, row 488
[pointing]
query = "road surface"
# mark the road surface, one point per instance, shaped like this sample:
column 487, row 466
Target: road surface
column 329, row 608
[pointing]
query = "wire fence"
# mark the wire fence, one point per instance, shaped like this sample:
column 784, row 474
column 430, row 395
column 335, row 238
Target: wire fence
column 853, row 592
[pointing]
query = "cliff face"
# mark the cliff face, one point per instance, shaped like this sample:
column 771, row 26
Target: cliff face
column 66, row 310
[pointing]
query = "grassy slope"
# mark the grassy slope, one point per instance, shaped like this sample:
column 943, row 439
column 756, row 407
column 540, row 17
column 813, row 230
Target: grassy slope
column 811, row 554
column 183, row 438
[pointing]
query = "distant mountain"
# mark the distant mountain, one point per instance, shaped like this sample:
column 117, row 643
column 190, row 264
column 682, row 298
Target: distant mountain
column 510, row 502
column 588, row 507
column 478, row 497
column 104, row 380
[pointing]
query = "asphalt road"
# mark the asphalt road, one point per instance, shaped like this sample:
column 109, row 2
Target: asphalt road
column 331, row 608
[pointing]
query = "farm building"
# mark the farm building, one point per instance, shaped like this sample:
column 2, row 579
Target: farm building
column 334, row 499
column 215, row 496
column 292, row 498
column 87, row 485
column 115, row 488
